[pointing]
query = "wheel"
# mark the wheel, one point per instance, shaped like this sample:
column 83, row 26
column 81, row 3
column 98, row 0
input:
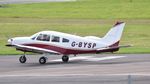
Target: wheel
column 65, row 58
column 42, row 60
column 22, row 59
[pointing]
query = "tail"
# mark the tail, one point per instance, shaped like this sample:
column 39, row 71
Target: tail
column 112, row 38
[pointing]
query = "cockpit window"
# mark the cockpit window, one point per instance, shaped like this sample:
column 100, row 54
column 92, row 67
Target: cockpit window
column 55, row 39
column 43, row 37
column 33, row 38
column 65, row 40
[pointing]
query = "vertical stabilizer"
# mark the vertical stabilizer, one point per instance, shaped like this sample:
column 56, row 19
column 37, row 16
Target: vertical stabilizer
column 113, row 36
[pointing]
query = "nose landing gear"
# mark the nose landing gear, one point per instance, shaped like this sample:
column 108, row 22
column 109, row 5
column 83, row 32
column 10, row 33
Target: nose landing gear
column 22, row 59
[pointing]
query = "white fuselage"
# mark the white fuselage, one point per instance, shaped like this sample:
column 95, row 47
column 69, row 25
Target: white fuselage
column 74, row 43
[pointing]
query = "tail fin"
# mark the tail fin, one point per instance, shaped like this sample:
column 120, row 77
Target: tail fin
column 113, row 37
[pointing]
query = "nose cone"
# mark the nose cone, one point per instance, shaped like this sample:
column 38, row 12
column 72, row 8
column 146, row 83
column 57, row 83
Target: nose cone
column 9, row 42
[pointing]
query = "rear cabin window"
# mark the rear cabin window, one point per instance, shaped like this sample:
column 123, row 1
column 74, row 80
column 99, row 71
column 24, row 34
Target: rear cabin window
column 43, row 37
column 55, row 39
column 64, row 40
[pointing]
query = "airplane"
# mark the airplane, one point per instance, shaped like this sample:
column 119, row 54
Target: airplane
column 64, row 44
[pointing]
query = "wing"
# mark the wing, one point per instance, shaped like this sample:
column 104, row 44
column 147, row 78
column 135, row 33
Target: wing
column 33, row 49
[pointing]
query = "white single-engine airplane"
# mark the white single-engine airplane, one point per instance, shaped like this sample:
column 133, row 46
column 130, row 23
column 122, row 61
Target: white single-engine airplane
column 65, row 44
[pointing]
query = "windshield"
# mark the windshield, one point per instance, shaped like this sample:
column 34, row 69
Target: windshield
column 34, row 36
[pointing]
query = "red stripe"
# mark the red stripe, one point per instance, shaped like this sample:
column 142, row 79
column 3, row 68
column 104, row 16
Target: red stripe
column 115, row 44
column 118, row 23
column 61, row 50
column 71, row 51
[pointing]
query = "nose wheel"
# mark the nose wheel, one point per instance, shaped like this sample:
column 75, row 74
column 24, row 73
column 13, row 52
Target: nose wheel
column 65, row 58
column 22, row 59
column 42, row 60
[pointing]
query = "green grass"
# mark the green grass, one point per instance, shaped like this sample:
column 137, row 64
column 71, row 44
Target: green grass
column 85, row 9
column 84, row 17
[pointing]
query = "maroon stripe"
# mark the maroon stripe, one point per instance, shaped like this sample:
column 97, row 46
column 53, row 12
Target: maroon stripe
column 72, row 51
column 61, row 50
column 115, row 44
column 118, row 23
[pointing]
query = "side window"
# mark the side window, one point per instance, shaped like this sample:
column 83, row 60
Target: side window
column 40, row 37
column 65, row 40
column 55, row 39
column 43, row 37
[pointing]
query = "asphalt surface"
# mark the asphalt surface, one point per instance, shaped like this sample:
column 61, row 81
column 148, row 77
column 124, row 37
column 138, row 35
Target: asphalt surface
column 29, row 1
column 85, row 69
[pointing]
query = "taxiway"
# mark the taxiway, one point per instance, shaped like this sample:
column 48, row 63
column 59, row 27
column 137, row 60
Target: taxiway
column 86, row 69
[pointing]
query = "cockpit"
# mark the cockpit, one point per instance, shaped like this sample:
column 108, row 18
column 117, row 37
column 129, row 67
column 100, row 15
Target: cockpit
column 43, row 37
column 49, row 38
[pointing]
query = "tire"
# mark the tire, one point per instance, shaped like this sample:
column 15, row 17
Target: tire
column 42, row 60
column 22, row 59
column 65, row 59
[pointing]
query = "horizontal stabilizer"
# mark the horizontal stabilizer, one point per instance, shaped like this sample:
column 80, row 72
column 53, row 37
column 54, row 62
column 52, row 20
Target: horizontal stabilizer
column 115, row 47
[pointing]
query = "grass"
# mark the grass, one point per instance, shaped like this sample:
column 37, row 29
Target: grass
column 85, row 9
column 84, row 17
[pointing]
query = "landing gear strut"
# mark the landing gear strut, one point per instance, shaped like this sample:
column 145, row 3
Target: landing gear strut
column 65, row 58
column 22, row 59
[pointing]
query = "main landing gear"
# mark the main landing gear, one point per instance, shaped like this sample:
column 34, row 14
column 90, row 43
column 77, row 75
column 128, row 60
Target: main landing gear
column 65, row 58
column 43, row 59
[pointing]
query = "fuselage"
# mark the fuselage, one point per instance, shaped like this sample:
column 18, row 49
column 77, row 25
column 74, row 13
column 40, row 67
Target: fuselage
column 60, row 42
